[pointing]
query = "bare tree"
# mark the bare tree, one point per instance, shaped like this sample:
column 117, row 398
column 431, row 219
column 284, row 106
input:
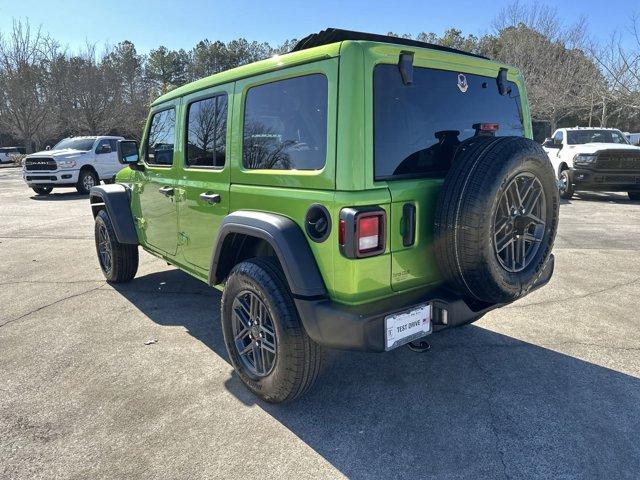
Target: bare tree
column 24, row 105
column 551, row 56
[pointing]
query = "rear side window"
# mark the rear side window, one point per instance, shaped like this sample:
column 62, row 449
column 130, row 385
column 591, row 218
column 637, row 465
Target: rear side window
column 285, row 124
column 161, row 138
column 418, row 127
column 207, row 132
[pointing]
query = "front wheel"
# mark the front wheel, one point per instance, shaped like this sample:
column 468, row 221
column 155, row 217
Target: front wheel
column 267, row 344
column 118, row 261
column 87, row 179
column 42, row 190
column 566, row 188
column 634, row 196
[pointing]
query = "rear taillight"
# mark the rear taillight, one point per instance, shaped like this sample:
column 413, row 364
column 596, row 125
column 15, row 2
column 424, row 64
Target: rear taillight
column 341, row 232
column 362, row 231
column 368, row 233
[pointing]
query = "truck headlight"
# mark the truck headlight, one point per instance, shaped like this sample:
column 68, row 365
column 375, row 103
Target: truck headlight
column 584, row 159
column 66, row 163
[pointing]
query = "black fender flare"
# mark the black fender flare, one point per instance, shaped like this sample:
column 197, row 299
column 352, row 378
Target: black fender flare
column 286, row 239
column 114, row 198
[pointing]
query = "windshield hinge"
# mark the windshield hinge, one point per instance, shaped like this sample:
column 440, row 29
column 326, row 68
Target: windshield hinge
column 405, row 65
column 503, row 84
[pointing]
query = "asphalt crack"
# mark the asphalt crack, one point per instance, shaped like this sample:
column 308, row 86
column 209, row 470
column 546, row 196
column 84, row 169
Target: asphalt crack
column 63, row 299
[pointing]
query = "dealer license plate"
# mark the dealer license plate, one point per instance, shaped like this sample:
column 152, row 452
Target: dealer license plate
column 404, row 327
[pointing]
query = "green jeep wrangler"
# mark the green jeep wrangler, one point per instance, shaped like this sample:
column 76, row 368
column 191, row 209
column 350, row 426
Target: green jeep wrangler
column 358, row 192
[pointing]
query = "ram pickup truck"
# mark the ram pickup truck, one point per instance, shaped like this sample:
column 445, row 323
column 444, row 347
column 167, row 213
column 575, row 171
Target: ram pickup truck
column 600, row 159
column 79, row 162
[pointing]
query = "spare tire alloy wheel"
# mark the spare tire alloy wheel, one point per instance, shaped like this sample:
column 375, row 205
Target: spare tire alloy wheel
column 519, row 222
column 254, row 334
column 496, row 219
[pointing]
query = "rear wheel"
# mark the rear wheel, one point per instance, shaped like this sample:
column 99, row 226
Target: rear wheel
column 634, row 196
column 118, row 261
column 87, row 179
column 565, row 187
column 267, row 344
column 496, row 219
column 42, row 190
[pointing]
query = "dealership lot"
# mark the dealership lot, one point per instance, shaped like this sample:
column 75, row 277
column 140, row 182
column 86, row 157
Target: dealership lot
column 98, row 381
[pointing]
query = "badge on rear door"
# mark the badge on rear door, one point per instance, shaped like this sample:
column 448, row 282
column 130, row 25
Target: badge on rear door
column 462, row 82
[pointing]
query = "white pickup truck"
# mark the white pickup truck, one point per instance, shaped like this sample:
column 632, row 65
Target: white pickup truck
column 594, row 159
column 79, row 162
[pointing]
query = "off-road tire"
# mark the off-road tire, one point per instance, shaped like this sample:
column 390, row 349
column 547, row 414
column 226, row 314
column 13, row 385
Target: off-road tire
column 634, row 196
column 298, row 358
column 483, row 168
column 42, row 190
column 567, row 192
column 124, row 257
column 81, row 185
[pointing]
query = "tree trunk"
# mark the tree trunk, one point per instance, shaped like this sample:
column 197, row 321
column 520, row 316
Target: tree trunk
column 28, row 144
column 603, row 119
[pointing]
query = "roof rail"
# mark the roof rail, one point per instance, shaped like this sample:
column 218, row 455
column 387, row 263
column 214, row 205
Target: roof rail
column 333, row 35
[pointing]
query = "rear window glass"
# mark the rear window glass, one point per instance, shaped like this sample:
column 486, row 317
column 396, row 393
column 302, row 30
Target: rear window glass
column 419, row 126
column 285, row 124
column 207, row 132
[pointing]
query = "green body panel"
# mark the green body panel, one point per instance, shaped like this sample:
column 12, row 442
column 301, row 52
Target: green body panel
column 183, row 230
column 198, row 220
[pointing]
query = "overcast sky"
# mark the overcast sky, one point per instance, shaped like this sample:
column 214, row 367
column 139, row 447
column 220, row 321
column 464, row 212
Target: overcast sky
column 180, row 24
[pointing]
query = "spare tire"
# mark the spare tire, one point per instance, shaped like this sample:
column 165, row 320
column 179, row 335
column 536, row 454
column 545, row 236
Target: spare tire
column 496, row 218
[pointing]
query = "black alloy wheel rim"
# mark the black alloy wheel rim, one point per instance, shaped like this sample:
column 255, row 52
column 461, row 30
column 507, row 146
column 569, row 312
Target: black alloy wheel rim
column 520, row 222
column 254, row 335
column 104, row 248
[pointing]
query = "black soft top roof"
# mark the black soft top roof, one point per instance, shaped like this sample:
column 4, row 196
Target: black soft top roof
column 332, row 35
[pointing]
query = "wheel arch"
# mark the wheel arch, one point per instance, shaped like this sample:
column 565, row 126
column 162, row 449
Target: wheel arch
column 563, row 166
column 87, row 166
column 246, row 234
column 115, row 200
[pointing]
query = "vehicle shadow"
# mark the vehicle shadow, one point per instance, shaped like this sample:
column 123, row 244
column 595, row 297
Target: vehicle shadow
column 477, row 405
column 612, row 197
column 59, row 196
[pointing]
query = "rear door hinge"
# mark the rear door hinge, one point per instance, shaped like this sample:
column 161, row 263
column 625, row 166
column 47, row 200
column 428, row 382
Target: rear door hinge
column 141, row 223
column 183, row 238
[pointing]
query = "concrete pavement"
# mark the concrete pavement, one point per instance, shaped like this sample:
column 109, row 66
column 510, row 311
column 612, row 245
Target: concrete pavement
column 545, row 388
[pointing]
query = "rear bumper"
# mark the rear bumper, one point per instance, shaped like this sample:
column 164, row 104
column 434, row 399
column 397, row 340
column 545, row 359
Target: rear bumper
column 362, row 327
column 50, row 178
column 610, row 181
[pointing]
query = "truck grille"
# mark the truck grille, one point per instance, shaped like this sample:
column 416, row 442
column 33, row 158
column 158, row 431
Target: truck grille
column 618, row 160
column 40, row 163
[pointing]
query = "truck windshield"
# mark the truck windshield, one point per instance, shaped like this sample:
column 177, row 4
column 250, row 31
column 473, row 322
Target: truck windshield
column 83, row 144
column 417, row 127
column 578, row 137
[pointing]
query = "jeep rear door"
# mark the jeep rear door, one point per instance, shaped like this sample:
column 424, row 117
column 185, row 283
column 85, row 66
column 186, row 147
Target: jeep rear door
column 417, row 129
column 203, row 183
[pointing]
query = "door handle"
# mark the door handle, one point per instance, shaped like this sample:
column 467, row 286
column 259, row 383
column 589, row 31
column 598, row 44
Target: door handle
column 210, row 198
column 166, row 191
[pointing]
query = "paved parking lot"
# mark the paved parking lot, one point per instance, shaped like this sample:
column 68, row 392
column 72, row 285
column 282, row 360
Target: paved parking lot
column 546, row 388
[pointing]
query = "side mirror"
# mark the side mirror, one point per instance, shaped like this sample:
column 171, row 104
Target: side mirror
column 105, row 148
column 48, row 147
column 128, row 152
column 548, row 142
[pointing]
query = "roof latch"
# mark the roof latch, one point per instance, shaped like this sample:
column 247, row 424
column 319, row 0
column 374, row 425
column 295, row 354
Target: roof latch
column 503, row 85
column 405, row 65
